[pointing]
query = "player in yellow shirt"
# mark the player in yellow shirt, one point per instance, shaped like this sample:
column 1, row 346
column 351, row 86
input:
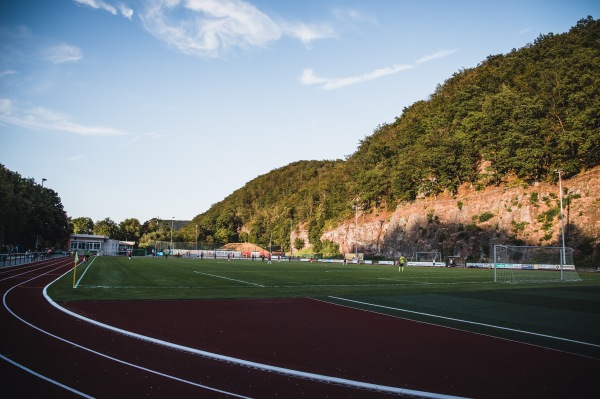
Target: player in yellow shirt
column 401, row 263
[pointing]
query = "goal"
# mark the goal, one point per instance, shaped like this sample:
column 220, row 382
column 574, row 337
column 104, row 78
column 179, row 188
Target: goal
column 431, row 256
column 530, row 264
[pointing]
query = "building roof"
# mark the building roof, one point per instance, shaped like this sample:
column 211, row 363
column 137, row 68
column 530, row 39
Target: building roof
column 90, row 236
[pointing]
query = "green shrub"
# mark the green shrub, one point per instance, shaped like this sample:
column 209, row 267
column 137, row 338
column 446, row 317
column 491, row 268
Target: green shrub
column 485, row 216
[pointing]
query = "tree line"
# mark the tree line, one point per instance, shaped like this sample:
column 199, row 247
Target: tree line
column 31, row 216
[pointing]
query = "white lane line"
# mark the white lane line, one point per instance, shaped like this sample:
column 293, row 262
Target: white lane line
column 45, row 378
column 227, row 278
column 26, row 272
column 96, row 352
column 466, row 321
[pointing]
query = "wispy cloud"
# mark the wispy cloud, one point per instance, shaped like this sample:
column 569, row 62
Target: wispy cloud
column 352, row 16
column 524, row 31
column 307, row 33
column 7, row 72
column 140, row 138
column 214, row 28
column 309, row 78
column 40, row 118
column 125, row 11
column 62, row 53
column 75, row 158
column 120, row 8
column 436, row 55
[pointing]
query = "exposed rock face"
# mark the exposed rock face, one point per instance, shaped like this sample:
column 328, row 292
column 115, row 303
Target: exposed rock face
column 469, row 223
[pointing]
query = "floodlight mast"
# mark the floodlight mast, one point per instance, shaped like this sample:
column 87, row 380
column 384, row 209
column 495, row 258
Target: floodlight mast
column 356, row 206
column 562, row 222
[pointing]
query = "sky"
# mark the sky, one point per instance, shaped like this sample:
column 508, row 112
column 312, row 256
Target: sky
column 162, row 108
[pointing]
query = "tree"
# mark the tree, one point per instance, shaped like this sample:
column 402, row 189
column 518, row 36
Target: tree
column 30, row 214
column 130, row 230
column 299, row 243
column 82, row 225
column 106, row 228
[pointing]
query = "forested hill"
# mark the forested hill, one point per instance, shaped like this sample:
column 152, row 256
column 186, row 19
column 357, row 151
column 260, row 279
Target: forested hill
column 520, row 115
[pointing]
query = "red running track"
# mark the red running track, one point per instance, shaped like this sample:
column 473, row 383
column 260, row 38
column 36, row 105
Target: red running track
column 48, row 353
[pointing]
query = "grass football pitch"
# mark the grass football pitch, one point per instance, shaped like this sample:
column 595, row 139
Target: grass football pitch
column 561, row 315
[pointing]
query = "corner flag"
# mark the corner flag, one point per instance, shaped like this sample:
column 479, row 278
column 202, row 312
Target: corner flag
column 75, row 268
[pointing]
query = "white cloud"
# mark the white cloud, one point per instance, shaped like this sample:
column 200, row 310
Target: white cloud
column 7, row 72
column 309, row 78
column 98, row 5
column 40, row 118
column 435, row 56
column 351, row 16
column 101, row 5
column 213, row 28
column 524, row 31
column 125, row 11
column 307, row 33
column 62, row 53
column 75, row 158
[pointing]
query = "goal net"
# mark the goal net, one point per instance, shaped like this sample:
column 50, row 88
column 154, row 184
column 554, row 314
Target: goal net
column 431, row 256
column 523, row 264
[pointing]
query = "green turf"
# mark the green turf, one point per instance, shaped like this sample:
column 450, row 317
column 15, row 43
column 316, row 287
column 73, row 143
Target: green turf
column 461, row 298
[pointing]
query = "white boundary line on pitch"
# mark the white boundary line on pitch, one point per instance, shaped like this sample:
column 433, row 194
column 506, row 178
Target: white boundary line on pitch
column 227, row 278
column 246, row 363
column 84, row 272
column 466, row 321
column 91, row 350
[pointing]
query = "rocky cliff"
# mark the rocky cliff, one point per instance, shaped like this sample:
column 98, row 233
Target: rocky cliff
column 469, row 223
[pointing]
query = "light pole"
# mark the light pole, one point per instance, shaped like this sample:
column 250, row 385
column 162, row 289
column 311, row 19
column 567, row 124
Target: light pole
column 172, row 220
column 37, row 236
column 196, row 239
column 381, row 222
column 562, row 223
column 356, row 232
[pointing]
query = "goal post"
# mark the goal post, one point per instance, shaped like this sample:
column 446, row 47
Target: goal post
column 532, row 264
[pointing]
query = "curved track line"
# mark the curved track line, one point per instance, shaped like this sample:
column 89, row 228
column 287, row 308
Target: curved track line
column 88, row 349
column 255, row 365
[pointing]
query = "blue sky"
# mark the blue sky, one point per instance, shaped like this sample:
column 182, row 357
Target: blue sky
column 161, row 108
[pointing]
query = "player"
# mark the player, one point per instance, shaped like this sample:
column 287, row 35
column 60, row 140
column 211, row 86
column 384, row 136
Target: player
column 401, row 263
